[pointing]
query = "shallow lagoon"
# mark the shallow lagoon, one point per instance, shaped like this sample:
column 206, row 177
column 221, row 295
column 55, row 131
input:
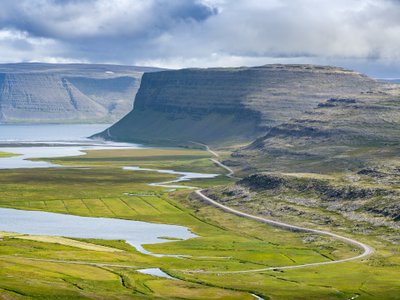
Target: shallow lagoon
column 135, row 233
column 47, row 141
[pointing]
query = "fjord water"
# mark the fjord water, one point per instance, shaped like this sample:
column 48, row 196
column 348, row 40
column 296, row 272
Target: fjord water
column 49, row 140
column 48, row 132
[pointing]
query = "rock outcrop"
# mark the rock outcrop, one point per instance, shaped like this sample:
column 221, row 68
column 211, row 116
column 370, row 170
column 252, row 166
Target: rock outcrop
column 313, row 197
column 323, row 189
column 67, row 92
column 229, row 104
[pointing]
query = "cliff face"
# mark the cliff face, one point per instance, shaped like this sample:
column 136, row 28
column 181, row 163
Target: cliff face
column 229, row 104
column 67, row 93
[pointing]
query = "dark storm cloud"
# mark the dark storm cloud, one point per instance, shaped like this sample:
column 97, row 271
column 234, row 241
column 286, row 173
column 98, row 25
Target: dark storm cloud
column 71, row 19
column 177, row 33
column 92, row 30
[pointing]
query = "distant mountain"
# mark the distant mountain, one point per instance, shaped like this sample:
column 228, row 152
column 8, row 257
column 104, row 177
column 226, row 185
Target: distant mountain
column 229, row 104
column 36, row 92
column 390, row 80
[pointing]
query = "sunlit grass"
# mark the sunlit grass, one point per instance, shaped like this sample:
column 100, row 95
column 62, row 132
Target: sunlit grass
column 7, row 154
column 100, row 188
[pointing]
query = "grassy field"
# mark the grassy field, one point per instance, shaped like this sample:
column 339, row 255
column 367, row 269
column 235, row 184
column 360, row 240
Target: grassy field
column 7, row 154
column 95, row 185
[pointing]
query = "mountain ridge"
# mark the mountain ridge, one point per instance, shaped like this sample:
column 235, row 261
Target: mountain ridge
column 65, row 93
column 218, row 105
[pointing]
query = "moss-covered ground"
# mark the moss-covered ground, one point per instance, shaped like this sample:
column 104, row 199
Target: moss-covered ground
column 7, row 154
column 95, row 185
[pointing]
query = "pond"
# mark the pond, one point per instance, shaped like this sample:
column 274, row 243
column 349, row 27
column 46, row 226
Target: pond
column 49, row 141
column 135, row 233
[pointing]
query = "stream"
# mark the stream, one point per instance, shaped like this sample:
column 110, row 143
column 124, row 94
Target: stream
column 43, row 141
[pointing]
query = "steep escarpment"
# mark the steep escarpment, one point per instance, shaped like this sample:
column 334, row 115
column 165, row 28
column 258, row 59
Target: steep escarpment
column 66, row 93
column 229, row 104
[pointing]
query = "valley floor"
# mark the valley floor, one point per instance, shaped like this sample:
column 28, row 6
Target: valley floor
column 96, row 185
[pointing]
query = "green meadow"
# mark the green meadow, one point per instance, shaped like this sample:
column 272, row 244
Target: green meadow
column 96, row 185
column 7, row 154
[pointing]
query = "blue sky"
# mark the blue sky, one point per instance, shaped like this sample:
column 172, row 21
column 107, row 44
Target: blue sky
column 359, row 34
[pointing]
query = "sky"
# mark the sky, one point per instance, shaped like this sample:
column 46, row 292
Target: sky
column 363, row 35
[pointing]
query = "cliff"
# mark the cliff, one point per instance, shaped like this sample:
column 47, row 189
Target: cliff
column 67, row 92
column 229, row 104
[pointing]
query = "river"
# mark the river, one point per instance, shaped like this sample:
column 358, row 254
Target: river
column 38, row 141
column 44, row 141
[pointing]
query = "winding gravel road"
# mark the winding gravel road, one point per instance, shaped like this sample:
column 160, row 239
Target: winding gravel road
column 367, row 250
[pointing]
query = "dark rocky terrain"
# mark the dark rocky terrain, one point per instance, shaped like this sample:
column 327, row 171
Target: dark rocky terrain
column 36, row 92
column 230, row 104
column 318, row 199
column 369, row 196
column 340, row 134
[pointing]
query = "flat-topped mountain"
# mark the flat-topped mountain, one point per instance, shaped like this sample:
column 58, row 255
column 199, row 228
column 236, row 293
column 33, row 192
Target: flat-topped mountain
column 340, row 134
column 229, row 104
column 36, row 92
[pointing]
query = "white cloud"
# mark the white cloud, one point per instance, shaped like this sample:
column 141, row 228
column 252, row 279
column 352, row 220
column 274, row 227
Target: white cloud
column 184, row 33
column 219, row 60
column 18, row 45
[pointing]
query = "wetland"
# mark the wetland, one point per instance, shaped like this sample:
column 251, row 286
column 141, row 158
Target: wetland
column 94, row 184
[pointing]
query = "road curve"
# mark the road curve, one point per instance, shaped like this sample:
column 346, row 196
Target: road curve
column 208, row 149
column 230, row 174
column 367, row 250
column 217, row 162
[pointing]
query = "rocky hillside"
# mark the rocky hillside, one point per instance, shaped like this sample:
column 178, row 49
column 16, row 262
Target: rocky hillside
column 230, row 104
column 340, row 134
column 67, row 92
column 320, row 199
